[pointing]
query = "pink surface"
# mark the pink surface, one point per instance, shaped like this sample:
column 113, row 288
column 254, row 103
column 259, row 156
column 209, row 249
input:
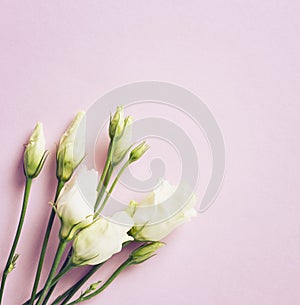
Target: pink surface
column 242, row 59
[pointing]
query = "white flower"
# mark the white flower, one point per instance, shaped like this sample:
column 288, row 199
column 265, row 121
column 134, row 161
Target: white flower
column 103, row 238
column 75, row 202
column 35, row 154
column 71, row 148
column 161, row 212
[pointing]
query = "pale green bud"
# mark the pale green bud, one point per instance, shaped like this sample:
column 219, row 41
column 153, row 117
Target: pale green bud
column 116, row 126
column 144, row 252
column 138, row 152
column 123, row 143
column 71, row 148
column 90, row 289
column 13, row 263
column 132, row 207
column 128, row 121
column 35, row 154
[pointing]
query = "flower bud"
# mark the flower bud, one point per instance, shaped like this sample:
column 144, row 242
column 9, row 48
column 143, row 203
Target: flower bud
column 90, row 289
column 13, row 263
column 35, row 154
column 71, row 148
column 128, row 120
column 117, row 123
column 103, row 238
column 75, row 203
column 123, row 143
column 138, row 152
column 144, row 252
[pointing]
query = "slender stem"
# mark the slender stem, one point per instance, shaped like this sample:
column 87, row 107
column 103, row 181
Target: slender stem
column 112, row 188
column 108, row 165
column 104, row 286
column 58, row 255
column 67, row 266
column 60, row 185
column 72, row 290
column 68, row 294
column 8, row 266
column 104, row 186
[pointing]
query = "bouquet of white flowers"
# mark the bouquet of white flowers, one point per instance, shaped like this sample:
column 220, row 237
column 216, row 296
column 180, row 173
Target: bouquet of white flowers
column 89, row 237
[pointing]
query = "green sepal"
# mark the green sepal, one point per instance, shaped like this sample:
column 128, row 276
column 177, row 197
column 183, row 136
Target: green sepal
column 39, row 167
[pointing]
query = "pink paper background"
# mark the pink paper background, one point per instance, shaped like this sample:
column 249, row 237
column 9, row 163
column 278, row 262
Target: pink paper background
column 242, row 59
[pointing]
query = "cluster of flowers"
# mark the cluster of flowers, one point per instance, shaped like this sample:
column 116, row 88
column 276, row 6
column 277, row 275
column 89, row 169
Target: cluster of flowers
column 81, row 197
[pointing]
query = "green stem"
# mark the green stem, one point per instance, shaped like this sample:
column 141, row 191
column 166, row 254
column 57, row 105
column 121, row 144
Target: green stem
column 68, row 294
column 72, row 290
column 106, row 166
column 54, row 282
column 64, row 269
column 101, row 185
column 57, row 258
column 104, row 286
column 103, row 189
column 60, row 185
column 7, row 268
column 112, row 188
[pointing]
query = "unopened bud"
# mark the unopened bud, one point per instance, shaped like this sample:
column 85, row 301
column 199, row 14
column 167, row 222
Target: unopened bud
column 138, row 152
column 123, row 143
column 144, row 252
column 35, row 154
column 70, row 154
column 117, row 123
